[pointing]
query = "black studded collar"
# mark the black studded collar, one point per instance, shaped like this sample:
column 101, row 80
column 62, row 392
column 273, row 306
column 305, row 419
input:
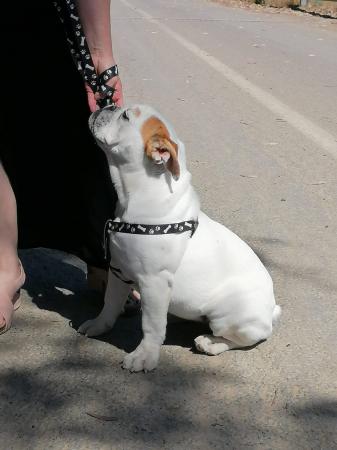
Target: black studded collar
column 150, row 230
column 112, row 226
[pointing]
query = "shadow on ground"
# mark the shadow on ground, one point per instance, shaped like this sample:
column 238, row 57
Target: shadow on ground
column 60, row 390
column 154, row 410
column 79, row 398
column 67, row 294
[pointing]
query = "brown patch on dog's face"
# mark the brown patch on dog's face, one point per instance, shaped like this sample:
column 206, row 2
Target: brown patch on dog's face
column 159, row 146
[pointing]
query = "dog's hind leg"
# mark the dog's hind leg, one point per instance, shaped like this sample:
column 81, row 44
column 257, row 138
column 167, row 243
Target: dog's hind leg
column 213, row 345
column 244, row 335
column 114, row 300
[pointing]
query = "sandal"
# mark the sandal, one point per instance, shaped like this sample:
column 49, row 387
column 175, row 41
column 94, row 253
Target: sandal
column 12, row 300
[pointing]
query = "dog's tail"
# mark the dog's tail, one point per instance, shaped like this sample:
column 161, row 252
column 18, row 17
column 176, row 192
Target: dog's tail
column 276, row 314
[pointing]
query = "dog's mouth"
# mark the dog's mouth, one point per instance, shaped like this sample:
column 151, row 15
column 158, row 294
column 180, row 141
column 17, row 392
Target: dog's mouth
column 101, row 118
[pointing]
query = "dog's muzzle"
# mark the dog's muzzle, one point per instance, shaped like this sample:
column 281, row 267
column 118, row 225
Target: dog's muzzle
column 101, row 117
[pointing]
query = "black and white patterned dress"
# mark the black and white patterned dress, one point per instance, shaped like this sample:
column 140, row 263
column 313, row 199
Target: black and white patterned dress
column 59, row 176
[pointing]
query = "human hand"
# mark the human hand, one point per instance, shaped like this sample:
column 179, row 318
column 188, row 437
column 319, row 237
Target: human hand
column 117, row 98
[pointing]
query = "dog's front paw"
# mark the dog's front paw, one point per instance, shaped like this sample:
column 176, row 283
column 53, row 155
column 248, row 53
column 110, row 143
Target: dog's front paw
column 145, row 357
column 94, row 327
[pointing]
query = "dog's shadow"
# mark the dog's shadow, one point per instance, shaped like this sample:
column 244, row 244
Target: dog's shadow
column 57, row 282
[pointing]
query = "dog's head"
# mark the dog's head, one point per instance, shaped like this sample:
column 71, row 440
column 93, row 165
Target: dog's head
column 136, row 135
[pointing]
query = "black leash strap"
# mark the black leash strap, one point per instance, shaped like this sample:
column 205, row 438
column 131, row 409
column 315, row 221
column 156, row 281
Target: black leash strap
column 150, row 230
column 145, row 230
column 79, row 50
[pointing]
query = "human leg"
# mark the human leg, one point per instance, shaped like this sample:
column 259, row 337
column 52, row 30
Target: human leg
column 11, row 272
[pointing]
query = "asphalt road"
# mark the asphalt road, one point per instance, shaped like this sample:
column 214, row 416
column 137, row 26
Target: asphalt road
column 253, row 94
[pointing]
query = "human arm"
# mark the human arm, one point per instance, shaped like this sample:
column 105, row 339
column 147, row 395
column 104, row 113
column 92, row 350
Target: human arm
column 95, row 19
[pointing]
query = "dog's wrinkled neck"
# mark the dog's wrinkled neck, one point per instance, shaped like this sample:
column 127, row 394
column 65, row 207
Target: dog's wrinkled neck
column 144, row 198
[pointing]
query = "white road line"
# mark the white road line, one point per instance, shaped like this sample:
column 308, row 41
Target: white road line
column 309, row 129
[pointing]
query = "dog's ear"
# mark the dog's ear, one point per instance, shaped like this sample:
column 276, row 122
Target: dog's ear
column 159, row 146
column 164, row 151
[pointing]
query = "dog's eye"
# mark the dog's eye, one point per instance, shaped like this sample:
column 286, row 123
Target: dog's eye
column 125, row 115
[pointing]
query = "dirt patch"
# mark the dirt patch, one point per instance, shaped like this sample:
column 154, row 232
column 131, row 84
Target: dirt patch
column 321, row 8
column 325, row 9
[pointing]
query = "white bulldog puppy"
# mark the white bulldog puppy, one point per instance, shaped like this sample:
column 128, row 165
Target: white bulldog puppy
column 179, row 259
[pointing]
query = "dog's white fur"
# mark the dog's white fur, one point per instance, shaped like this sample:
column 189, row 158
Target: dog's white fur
column 214, row 275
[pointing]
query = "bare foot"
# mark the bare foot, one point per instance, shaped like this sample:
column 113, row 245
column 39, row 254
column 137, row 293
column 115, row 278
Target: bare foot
column 11, row 280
